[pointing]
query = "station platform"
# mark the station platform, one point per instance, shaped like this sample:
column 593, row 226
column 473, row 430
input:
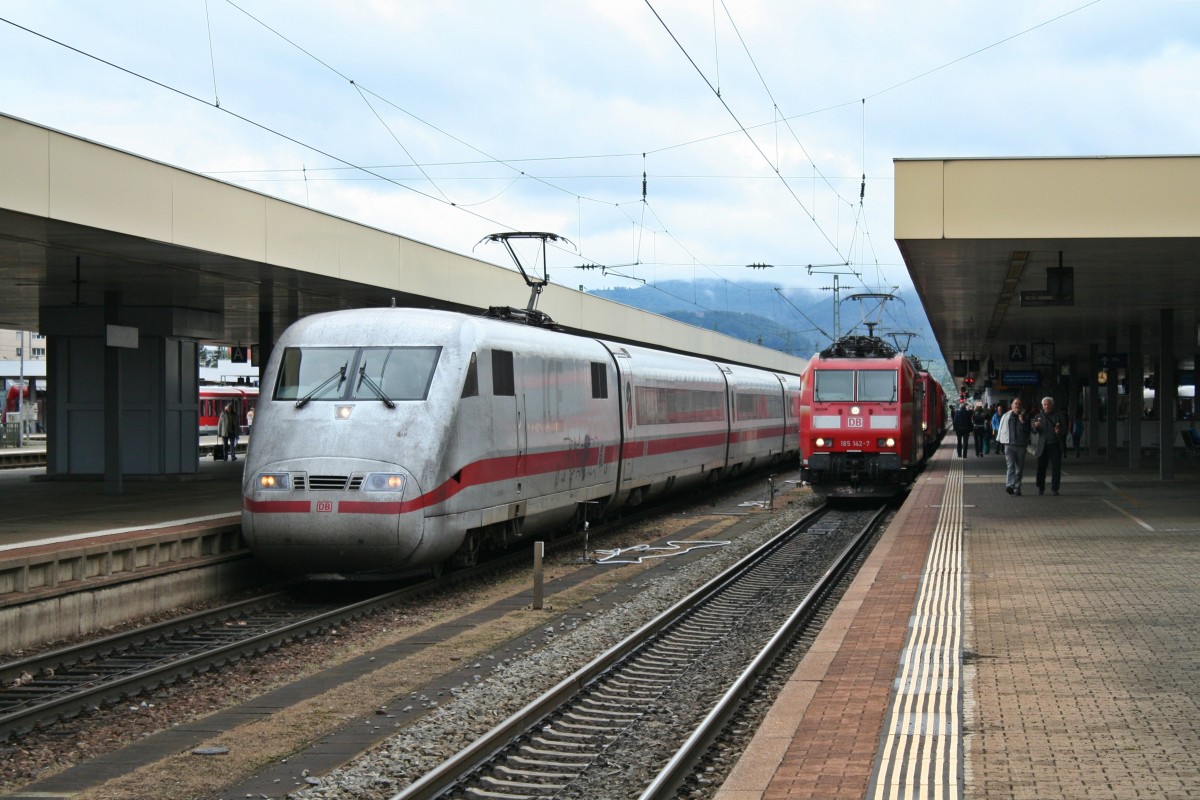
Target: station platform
column 74, row 558
column 36, row 510
column 998, row 646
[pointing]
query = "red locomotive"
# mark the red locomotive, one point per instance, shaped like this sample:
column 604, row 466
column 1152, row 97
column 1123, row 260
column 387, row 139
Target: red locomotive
column 862, row 407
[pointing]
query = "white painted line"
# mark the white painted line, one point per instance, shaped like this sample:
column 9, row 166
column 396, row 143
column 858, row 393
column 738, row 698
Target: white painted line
column 114, row 531
column 1120, row 510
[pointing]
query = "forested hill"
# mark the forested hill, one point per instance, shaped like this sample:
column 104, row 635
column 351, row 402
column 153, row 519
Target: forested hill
column 755, row 312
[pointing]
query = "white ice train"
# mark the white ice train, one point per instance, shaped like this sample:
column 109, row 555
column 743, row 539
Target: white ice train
column 389, row 440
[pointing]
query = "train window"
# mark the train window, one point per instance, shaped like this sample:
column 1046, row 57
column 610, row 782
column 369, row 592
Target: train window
column 833, row 386
column 657, row 406
column 503, row 380
column 306, row 370
column 471, row 385
column 876, row 386
column 758, row 406
column 400, row 373
column 599, row 380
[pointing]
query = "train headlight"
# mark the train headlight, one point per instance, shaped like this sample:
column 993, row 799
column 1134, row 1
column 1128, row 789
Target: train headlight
column 274, row 481
column 924, row 426
column 343, row 412
column 854, row 409
column 383, row 482
column 888, row 442
column 820, row 442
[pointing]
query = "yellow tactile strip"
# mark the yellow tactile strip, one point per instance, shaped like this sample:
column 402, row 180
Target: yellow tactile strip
column 920, row 755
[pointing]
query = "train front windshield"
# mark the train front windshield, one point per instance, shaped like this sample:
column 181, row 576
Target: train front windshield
column 356, row 373
column 863, row 386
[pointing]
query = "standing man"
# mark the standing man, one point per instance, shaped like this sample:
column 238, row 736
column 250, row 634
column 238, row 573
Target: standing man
column 227, row 429
column 1051, row 425
column 961, row 422
column 1013, row 433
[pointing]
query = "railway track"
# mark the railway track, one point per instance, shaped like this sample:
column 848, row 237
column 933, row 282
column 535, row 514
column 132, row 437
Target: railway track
column 637, row 718
column 61, row 684
column 64, row 683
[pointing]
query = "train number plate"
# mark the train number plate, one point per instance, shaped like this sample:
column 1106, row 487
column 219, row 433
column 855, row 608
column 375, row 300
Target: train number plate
column 854, row 422
column 324, row 505
column 854, row 443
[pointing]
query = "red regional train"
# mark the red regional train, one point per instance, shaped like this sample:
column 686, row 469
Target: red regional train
column 933, row 419
column 214, row 398
column 864, row 419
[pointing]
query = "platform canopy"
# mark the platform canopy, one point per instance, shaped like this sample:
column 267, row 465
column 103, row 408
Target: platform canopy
column 219, row 263
column 1045, row 257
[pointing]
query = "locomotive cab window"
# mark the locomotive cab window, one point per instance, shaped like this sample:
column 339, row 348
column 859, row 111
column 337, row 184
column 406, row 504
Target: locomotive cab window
column 834, row 386
column 398, row 373
column 321, row 372
column 471, row 384
column 876, row 386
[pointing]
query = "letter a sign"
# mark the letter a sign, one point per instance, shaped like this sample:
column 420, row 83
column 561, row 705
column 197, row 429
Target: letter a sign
column 1016, row 352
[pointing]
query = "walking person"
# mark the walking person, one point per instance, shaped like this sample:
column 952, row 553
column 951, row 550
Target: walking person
column 997, row 413
column 1013, row 433
column 961, row 422
column 1052, row 427
column 979, row 428
column 227, row 429
column 1077, row 433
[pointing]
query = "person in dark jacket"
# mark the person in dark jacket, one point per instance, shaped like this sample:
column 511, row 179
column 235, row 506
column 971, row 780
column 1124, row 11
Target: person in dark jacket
column 961, row 422
column 228, row 429
column 1013, row 433
column 1051, row 426
column 979, row 429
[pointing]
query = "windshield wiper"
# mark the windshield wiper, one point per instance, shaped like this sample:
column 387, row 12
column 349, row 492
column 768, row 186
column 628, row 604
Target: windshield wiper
column 363, row 376
column 341, row 377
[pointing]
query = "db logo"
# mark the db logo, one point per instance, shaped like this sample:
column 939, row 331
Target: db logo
column 854, row 422
column 324, row 505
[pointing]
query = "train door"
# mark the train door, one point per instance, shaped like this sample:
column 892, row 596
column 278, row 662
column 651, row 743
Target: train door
column 522, row 436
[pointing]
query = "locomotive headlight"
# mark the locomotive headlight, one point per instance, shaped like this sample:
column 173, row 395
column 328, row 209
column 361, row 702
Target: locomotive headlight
column 820, row 443
column 890, row 442
column 854, row 409
column 383, row 482
column 924, row 426
column 274, row 481
column 343, row 412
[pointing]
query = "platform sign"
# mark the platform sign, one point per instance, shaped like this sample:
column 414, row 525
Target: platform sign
column 1016, row 352
column 237, row 355
column 1113, row 360
column 1021, row 377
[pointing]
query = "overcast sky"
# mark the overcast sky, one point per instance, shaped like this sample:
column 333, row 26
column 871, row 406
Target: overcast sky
column 754, row 120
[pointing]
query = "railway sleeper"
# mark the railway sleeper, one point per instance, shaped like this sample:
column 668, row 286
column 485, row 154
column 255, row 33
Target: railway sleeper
column 663, row 662
column 556, row 754
column 648, row 674
column 701, row 638
column 597, row 729
column 562, row 733
column 484, row 794
column 548, row 779
column 609, row 709
column 554, row 746
column 589, row 716
column 537, row 789
column 571, row 768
